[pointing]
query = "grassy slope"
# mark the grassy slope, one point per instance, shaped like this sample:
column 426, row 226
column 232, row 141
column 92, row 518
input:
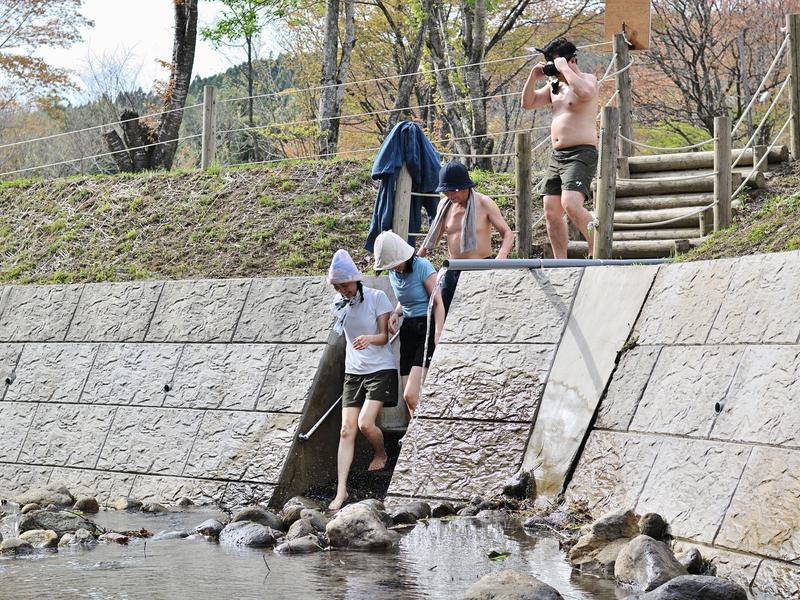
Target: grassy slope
column 240, row 222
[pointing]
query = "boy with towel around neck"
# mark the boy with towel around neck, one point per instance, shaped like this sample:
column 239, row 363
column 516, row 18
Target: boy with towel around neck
column 467, row 217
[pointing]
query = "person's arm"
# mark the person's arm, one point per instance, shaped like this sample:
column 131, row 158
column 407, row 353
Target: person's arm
column 423, row 251
column 584, row 85
column 531, row 97
column 394, row 318
column 499, row 223
column 379, row 339
column 438, row 306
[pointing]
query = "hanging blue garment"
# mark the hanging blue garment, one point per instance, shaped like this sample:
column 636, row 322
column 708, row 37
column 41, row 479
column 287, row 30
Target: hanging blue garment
column 406, row 143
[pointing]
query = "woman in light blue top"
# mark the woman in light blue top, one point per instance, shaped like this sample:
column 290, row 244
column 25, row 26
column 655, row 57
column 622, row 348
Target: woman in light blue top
column 413, row 280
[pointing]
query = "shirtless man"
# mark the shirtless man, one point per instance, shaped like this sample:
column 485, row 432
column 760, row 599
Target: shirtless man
column 457, row 186
column 573, row 133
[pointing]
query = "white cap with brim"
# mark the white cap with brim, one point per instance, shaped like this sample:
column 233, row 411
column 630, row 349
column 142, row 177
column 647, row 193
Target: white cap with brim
column 343, row 269
column 391, row 250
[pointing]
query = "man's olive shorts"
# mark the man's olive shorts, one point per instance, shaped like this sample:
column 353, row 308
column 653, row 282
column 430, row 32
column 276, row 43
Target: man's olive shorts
column 571, row 169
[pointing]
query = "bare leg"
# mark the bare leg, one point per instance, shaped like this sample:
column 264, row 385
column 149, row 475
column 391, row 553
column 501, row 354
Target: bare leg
column 366, row 423
column 556, row 227
column 344, row 458
column 411, row 387
column 403, row 384
column 572, row 203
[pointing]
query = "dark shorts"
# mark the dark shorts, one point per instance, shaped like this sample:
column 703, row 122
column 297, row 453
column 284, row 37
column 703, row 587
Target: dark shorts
column 380, row 386
column 571, row 169
column 449, row 283
column 412, row 343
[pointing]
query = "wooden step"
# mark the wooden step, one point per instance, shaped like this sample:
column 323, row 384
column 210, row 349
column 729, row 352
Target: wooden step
column 671, row 186
column 633, row 249
column 653, row 202
column 630, row 235
column 683, row 218
column 697, row 160
column 754, row 181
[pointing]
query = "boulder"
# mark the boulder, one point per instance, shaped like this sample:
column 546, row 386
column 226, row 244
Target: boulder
column 646, row 563
column 596, row 550
column 153, row 507
column 260, row 515
column 315, row 517
column 302, row 502
column 654, row 525
column 114, row 537
column 615, row 525
column 468, row 511
column 290, row 514
column 15, row 546
column 247, row 533
column 410, row 513
column 511, row 585
column 174, row 535
column 522, row 485
column 695, row 587
column 30, row 507
column 86, row 504
column 691, row 560
column 490, row 514
column 57, row 520
column 359, row 526
column 126, row 504
column 301, row 528
column 81, row 537
column 301, row 545
column 40, row 538
column 57, row 495
column 210, row 527
column 373, row 503
column 442, row 509
column 184, row 502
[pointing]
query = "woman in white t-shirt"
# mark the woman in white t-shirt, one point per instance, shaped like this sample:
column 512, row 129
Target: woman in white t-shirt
column 370, row 379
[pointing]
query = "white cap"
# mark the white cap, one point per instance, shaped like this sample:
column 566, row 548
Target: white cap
column 391, row 250
column 343, row 269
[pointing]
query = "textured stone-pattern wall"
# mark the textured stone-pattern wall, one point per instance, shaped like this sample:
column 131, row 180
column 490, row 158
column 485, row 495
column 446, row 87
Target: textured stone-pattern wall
column 157, row 389
column 485, row 383
column 712, row 335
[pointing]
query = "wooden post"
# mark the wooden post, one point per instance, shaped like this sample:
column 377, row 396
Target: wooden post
column 209, row 148
column 524, row 200
column 706, row 222
column 758, row 154
column 624, row 94
column 793, row 27
column 606, row 183
column 402, row 203
column 722, row 170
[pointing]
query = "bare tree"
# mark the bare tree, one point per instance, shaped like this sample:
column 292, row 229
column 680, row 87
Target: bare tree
column 335, row 69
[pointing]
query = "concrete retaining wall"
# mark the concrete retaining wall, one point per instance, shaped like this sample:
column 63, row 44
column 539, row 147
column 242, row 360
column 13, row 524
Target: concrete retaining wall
column 158, row 389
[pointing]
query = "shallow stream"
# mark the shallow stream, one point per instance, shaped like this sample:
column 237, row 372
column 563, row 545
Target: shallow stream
column 436, row 560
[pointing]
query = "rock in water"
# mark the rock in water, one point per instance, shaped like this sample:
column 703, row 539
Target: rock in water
column 596, row 552
column 260, row 515
column 615, row 525
column 410, row 513
column 691, row 560
column 359, row 526
column 316, row 518
column 30, row 508
column 59, row 521
column 695, row 587
column 442, row 509
column 647, row 564
column 153, row 507
column 653, row 524
column 87, row 504
column 114, row 537
column 44, row 496
column 301, row 545
column 210, row 527
column 40, row 538
column 300, row 528
column 510, row 585
column 127, row 504
column 15, row 546
column 247, row 533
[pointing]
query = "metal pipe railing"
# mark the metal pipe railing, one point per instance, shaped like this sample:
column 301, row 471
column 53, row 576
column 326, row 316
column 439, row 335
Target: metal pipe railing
column 482, row 264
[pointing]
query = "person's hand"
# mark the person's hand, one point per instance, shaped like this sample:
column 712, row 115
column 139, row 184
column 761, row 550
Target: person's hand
column 362, row 342
column 501, row 256
column 561, row 64
column 422, row 252
column 538, row 70
column 393, row 321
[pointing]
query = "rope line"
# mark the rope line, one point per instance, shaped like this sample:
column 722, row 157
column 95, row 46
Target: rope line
column 762, row 159
column 372, row 113
column 400, row 76
column 761, row 85
column 763, row 121
column 55, row 135
column 72, row 160
column 642, row 145
column 615, row 73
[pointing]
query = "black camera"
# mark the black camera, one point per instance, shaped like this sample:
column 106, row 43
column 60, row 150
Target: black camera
column 550, row 69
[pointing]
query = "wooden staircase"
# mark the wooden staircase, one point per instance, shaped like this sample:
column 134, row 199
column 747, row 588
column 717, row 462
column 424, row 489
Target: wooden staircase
column 658, row 197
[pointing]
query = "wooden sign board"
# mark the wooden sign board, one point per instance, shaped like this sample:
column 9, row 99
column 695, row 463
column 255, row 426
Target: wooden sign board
column 631, row 17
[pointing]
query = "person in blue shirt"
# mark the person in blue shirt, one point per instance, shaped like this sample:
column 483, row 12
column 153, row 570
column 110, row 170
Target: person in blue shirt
column 413, row 280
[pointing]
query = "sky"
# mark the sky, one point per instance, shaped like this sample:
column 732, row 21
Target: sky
column 146, row 32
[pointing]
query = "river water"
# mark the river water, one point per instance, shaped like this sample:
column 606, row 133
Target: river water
column 435, row 559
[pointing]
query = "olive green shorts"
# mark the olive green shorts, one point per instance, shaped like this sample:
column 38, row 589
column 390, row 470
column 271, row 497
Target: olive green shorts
column 380, row 386
column 571, row 169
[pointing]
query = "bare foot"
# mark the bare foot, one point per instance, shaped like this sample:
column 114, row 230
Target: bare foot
column 338, row 501
column 378, row 462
